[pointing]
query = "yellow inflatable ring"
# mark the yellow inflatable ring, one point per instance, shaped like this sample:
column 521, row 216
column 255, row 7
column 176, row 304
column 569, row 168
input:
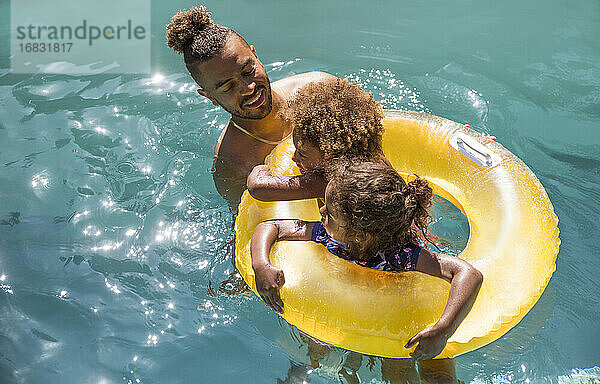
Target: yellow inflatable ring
column 513, row 241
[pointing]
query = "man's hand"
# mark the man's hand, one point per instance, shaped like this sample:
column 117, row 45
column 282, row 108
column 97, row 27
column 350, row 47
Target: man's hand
column 432, row 341
column 268, row 280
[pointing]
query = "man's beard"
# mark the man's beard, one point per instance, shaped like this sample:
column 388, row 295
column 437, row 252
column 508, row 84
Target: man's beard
column 260, row 113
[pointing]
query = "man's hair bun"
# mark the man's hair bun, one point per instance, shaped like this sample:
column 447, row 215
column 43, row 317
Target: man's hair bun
column 186, row 25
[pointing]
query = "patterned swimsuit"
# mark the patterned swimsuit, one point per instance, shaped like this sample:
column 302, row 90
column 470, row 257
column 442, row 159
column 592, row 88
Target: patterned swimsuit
column 400, row 259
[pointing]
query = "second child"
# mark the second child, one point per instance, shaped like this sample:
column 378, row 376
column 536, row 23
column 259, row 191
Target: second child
column 368, row 218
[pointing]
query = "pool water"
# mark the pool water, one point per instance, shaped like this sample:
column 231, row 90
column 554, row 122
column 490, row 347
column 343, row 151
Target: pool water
column 114, row 244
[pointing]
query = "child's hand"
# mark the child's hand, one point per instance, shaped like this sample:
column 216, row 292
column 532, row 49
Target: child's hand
column 432, row 341
column 268, row 280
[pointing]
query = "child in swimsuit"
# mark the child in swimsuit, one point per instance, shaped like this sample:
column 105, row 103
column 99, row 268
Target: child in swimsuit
column 368, row 218
column 332, row 120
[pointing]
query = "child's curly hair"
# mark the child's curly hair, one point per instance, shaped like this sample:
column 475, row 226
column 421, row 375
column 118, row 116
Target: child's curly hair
column 372, row 198
column 338, row 118
column 193, row 33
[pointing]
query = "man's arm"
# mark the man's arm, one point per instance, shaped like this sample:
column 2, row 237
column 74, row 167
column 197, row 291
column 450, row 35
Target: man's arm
column 262, row 185
column 229, row 179
column 465, row 282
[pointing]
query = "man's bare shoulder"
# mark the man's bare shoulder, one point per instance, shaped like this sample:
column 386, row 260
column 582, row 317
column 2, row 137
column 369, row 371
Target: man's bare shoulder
column 293, row 83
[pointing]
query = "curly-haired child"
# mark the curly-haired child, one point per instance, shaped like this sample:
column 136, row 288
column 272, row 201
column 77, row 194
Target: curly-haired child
column 332, row 120
column 368, row 218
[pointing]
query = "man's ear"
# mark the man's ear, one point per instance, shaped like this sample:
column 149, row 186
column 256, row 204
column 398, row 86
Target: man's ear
column 202, row 92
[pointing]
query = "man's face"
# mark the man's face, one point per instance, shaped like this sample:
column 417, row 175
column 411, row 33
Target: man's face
column 236, row 80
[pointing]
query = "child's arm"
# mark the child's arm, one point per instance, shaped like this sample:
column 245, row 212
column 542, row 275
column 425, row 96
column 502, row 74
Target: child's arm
column 465, row 282
column 269, row 278
column 262, row 185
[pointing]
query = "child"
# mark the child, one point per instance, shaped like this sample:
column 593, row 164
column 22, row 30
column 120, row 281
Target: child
column 332, row 120
column 367, row 218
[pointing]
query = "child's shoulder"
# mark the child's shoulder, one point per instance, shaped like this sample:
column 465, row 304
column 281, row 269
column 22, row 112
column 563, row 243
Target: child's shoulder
column 403, row 258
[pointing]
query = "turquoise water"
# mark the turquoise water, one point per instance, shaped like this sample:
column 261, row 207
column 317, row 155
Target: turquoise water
column 114, row 242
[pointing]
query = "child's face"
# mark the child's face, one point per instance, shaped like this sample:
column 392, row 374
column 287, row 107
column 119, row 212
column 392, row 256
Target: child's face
column 331, row 219
column 307, row 157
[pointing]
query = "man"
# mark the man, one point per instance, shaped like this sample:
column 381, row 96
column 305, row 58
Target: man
column 230, row 75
